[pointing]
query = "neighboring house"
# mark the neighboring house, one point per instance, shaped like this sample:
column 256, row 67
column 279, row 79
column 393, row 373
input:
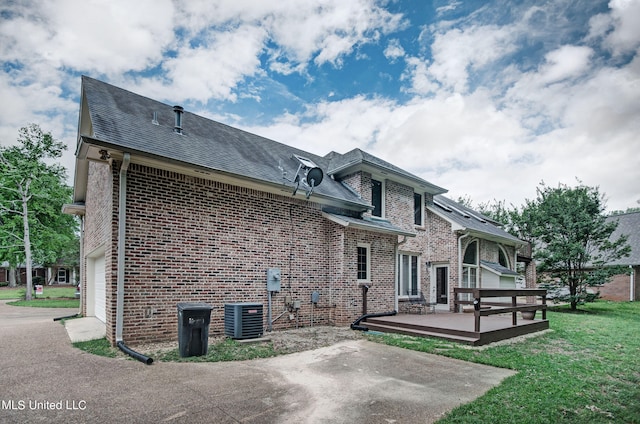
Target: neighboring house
column 59, row 274
column 179, row 208
column 625, row 286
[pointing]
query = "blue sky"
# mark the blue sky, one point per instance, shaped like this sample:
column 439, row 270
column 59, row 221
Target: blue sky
column 484, row 98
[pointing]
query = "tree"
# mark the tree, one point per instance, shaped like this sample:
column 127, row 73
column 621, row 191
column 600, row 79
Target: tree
column 32, row 226
column 572, row 238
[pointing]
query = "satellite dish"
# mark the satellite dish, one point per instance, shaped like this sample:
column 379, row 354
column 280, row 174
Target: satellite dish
column 314, row 177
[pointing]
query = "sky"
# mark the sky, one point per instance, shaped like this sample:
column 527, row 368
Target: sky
column 484, row 98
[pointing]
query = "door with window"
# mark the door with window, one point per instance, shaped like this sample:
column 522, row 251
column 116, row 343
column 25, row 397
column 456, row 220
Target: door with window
column 442, row 287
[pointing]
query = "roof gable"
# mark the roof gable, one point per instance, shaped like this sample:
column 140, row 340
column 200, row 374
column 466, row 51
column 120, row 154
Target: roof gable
column 357, row 159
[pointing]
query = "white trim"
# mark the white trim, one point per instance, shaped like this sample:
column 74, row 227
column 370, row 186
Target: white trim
column 367, row 246
column 419, row 287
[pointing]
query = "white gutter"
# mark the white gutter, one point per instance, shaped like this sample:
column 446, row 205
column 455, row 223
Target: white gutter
column 397, row 264
column 632, row 287
column 460, row 259
column 122, row 219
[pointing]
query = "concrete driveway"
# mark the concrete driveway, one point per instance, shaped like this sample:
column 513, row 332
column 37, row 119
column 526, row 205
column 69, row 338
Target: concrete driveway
column 44, row 379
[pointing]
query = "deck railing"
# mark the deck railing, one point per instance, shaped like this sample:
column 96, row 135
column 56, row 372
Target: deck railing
column 480, row 307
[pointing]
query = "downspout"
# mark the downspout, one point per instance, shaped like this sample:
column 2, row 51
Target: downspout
column 397, row 251
column 460, row 259
column 82, row 276
column 122, row 220
column 632, row 287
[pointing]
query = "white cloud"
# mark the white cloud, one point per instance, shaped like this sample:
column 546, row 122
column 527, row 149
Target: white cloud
column 457, row 51
column 565, row 62
column 105, row 37
column 213, row 70
column 417, row 72
column 625, row 37
column 394, row 50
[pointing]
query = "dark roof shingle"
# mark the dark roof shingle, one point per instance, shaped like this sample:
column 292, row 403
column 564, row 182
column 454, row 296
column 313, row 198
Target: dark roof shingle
column 124, row 119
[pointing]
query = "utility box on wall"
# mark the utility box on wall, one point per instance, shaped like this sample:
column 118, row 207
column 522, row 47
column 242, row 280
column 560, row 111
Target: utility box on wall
column 273, row 279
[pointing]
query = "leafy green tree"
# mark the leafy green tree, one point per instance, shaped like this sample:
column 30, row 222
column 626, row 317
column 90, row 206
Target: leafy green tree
column 32, row 192
column 573, row 238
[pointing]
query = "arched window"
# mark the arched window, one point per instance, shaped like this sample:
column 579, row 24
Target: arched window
column 503, row 259
column 471, row 254
column 470, row 265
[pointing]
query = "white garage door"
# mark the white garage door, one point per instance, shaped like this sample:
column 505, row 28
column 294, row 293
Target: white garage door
column 99, row 284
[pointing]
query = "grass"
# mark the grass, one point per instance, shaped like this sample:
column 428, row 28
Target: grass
column 585, row 371
column 99, row 347
column 52, row 297
column 47, row 303
column 226, row 350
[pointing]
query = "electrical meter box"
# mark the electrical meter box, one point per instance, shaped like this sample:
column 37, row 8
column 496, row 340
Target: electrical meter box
column 273, row 279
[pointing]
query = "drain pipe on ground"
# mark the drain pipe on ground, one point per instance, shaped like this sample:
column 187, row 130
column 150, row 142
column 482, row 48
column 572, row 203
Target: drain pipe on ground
column 122, row 219
column 356, row 324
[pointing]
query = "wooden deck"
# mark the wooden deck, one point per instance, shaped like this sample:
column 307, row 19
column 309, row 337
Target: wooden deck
column 457, row 327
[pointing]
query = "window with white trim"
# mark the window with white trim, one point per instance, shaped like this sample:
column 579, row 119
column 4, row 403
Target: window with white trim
column 364, row 262
column 470, row 266
column 408, row 275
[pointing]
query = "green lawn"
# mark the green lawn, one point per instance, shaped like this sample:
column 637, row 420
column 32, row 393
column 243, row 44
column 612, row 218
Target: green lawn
column 587, row 370
column 52, row 297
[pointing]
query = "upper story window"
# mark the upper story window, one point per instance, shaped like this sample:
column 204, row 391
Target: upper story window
column 471, row 254
column 418, row 208
column 376, row 197
column 502, row 257
column 470, row 265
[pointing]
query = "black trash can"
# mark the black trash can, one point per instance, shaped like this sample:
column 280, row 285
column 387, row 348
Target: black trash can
column 193, row 328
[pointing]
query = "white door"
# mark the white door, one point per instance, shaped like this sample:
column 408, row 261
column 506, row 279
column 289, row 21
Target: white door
column 99, row 289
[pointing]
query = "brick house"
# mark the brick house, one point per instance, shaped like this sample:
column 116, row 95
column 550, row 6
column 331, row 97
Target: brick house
column 625, row 286
column 56, row 274
column 176, row 207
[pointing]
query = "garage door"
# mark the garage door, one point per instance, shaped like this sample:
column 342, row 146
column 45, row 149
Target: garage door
column 100, row 298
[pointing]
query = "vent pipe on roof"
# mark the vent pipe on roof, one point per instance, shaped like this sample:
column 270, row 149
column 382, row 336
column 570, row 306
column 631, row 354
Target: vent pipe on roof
column 178, row 126
column 154, row 121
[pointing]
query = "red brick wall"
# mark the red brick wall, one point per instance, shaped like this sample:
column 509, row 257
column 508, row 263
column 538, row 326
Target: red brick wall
column 195, row 240
column 190, row 239
column 618, row 289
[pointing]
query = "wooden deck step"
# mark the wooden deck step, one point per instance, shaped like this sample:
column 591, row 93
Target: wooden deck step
column 390, row 328
column 421, row 326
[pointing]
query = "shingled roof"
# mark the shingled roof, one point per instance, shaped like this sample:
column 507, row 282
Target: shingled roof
column 629, row 225
column 342, row 164
column 122, row 120
column 468, row 220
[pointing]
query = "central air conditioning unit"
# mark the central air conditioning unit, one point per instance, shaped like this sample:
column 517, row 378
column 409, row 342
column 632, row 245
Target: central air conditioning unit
column 243, row 320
